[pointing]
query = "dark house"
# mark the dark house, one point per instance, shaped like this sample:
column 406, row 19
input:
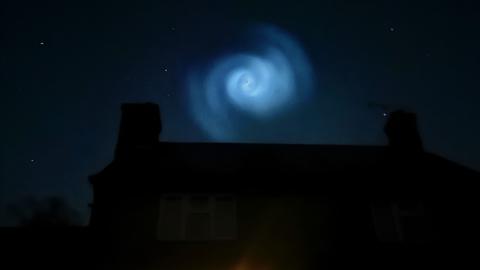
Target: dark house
column 164, row 205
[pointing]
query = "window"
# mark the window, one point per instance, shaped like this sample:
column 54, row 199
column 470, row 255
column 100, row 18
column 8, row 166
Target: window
column 405, row 221
column 197, row 218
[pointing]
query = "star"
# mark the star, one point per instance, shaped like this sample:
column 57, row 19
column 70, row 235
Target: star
column 166, row 70
column 32, row 160
column 392, row 29
column 42, row 43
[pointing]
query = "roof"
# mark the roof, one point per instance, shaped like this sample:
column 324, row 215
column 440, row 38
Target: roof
column 236, row 166
column 235, row 157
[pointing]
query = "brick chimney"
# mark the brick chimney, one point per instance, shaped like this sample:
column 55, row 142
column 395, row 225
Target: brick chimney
column 140, row 126
column 402, row 132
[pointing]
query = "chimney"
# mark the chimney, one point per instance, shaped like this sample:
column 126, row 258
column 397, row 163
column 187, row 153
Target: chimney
column 140, row 126
column 402, row 132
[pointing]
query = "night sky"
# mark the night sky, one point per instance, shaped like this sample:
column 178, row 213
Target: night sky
column 66, row 67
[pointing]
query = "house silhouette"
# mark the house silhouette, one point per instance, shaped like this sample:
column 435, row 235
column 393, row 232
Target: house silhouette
column 276, row 206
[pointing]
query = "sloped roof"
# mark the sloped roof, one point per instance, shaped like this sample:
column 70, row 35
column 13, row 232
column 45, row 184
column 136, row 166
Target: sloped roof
column 283, row 167
column 236, row 157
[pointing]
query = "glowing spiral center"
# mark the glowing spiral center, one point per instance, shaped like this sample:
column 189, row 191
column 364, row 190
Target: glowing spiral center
column 251, row 85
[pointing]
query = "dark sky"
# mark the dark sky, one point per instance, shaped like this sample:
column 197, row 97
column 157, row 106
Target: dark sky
column 66, row 67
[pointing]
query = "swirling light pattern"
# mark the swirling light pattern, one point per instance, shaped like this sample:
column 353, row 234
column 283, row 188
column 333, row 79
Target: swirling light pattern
column 270, row 77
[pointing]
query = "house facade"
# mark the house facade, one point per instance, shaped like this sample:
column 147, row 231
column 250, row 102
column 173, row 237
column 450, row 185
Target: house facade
column 263, row 206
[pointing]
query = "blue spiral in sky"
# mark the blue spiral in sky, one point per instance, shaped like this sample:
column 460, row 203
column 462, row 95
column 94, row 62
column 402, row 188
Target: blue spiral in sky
column 263, row 80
